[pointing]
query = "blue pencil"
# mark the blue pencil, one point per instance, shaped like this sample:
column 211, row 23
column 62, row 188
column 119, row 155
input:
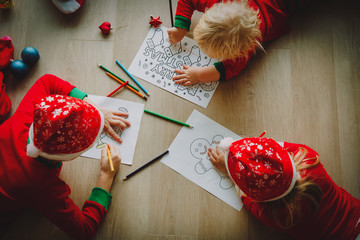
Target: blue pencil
column 122, row 67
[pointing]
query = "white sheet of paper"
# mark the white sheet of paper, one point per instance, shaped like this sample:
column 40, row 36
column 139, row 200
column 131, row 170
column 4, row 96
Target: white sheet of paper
column 188, row 156
column 129, row 135
column 157, row 59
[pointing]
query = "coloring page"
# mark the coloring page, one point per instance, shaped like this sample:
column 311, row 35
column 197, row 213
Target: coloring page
column 157, row 59
column 188, row 156
column 129, row 135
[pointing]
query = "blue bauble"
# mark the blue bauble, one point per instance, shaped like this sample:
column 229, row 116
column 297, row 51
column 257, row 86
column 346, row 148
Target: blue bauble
column 30, row 55
column 18, row 68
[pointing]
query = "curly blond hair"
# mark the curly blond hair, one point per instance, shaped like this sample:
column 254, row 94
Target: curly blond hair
column 229, row 30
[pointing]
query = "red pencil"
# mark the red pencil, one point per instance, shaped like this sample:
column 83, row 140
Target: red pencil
column 262, row 134
column 118, row 88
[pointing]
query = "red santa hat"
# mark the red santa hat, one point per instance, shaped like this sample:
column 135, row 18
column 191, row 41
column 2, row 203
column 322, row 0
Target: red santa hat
column 68, row 6
column 64, row 127
column 260, row 167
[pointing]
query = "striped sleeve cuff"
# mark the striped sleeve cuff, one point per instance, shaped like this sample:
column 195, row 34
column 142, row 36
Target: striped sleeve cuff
column 221, row 69
column 76, row 93
column 182, row 22
column 100, row 196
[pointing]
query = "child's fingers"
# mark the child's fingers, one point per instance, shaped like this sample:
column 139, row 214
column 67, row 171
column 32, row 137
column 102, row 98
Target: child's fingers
column 121, row 114
column 113, row 134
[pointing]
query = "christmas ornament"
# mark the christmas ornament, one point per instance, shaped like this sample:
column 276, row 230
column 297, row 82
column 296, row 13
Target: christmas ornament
column 155, row 21
column 68, row 6
column 18, row 68
column 30, row 55
column 105, row 28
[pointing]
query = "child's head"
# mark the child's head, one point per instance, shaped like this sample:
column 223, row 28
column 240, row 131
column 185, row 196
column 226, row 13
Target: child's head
column 261, row 168
column 267, row 173
column 64, row 127
column 228, row 30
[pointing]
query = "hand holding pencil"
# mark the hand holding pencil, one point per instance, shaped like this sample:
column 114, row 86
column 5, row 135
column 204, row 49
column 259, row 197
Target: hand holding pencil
column 109, row 158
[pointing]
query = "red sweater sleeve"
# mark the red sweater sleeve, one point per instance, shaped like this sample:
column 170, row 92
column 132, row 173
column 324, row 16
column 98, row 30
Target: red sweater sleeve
column 51, row 198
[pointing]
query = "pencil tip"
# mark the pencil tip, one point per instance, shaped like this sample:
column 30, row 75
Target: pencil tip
column 145, row 98
column 191, row 126
column 124, row 179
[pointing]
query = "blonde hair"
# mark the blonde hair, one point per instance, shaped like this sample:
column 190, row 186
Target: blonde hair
column 304, row 189
column 228, row 30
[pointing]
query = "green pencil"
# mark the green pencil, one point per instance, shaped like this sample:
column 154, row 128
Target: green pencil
column 107, row 70
column 172, row 120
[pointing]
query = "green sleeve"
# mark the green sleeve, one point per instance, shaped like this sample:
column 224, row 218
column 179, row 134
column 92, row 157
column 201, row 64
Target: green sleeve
column 221, row 69
column 182, row 22
column 100, row 196
column 76, row 93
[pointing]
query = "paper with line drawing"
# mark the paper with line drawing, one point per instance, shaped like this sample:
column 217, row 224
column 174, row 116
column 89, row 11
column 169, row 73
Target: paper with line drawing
column 129, row 135
column 188, row 156
column 157, row 59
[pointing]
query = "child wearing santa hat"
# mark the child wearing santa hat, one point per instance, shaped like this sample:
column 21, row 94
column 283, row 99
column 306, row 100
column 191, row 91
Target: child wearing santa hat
column 285, row 187
column 53, row 124
column 230, row 31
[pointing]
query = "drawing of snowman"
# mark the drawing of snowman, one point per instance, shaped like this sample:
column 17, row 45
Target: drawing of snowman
column 199, row 148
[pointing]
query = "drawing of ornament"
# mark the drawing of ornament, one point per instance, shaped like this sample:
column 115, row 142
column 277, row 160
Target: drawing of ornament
column 209, row 86
column 198, row 149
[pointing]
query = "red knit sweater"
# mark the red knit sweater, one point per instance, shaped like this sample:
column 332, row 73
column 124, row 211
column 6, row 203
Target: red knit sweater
column 28, row 183
column 336, row 217
column 273, row 16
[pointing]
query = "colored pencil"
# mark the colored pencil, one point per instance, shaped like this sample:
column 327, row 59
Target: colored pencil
column 127, row 85
column 145, row 165
column 110, row 160
column 124, row 69
column 262, row 134
column 171, row 14
column 170, row 119
column 117, row 88
column 116, row 76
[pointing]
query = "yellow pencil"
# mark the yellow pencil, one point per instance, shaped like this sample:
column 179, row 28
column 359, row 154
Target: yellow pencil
column 110, row 160
column 127, row 85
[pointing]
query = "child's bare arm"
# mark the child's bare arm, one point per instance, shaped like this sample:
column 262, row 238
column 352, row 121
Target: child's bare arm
column 176, row 34
column 191, row 75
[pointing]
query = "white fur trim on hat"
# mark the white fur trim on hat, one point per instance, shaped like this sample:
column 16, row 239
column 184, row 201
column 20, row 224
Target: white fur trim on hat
column 226, row 143
column 31, row 150
column 67, row 6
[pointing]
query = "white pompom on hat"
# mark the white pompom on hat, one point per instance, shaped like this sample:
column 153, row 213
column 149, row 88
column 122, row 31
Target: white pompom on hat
column 68, row 6
column 64, row 127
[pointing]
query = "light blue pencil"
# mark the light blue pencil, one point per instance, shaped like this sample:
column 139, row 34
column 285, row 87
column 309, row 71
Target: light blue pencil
column 124, row 69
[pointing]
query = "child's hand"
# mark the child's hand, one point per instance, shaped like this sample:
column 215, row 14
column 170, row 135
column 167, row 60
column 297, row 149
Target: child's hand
column 115, row 157
column 176, row 34
column 187, row 76
column 114, row 118
column 217, row 158
column 106, row 176
column 191, row 75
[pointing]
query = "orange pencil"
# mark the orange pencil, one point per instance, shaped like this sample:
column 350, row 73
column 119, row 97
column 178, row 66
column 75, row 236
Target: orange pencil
column 127, row 85
column 117, row 88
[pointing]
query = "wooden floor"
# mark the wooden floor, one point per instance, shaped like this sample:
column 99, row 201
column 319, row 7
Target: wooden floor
column 305, row 89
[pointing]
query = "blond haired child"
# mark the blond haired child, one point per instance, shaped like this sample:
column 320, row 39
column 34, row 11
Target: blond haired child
column 52, row 125
column 230, row 31
column 285, row 187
